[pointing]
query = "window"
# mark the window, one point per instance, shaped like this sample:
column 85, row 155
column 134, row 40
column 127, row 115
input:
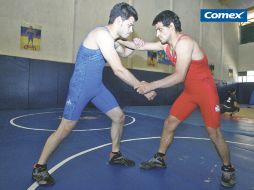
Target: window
column 250, row 17
column 247, row 28
column 246, row 76
column 250, row 76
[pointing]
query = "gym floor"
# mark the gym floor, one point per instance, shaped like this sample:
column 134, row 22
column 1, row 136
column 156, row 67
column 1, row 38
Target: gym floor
column 81, row 160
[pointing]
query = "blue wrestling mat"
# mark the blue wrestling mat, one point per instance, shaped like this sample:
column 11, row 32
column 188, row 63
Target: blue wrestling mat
column 81, row 160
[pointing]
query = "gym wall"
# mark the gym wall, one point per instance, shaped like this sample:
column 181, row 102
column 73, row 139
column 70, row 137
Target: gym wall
column 55, row 18
column 246, row 57
column 28, row 83
column 30, row 79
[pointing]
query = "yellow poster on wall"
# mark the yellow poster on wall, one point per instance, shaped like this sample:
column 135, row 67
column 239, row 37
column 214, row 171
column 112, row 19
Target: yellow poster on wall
column 152, row 59
column 30, row 37
column 155, row 57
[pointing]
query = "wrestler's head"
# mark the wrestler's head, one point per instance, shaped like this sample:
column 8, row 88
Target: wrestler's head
column 124, row 15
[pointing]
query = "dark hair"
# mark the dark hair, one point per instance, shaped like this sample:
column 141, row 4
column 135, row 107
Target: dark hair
column 167, row 17
column 124, row 10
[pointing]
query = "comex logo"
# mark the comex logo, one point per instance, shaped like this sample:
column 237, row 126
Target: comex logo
column 223, row 15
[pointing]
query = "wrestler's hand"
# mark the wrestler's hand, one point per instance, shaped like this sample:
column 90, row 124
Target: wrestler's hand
column 150, row 95
column 144, row 87
column 138, row 42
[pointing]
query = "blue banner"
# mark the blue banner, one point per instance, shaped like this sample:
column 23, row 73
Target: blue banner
column 223, row 15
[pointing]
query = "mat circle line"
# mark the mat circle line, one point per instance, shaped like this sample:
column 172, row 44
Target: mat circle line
column 12, row 122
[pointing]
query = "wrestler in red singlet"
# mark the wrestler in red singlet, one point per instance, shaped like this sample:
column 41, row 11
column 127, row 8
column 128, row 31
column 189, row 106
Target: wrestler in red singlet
column 199, row 90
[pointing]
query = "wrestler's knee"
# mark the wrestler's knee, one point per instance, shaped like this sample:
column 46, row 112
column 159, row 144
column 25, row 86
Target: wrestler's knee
column 214, row 134
column 171, row 123
column 65, row 128
column 119, row 117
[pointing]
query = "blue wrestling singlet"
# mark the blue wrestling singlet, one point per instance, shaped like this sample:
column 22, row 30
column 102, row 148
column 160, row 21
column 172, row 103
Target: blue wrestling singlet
column 86, row 85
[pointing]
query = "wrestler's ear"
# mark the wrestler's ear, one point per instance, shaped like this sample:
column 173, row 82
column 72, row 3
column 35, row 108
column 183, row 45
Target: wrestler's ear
column 119, row 20
column 172, row 25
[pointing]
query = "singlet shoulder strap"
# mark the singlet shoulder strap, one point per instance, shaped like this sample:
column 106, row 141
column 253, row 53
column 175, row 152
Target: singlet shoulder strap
column 106, row 29
column 171, row 55
column 168, row 47
column 179, row 40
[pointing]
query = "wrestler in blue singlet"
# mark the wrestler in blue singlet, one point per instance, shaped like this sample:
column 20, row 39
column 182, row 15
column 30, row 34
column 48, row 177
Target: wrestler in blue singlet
column 86, row 84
